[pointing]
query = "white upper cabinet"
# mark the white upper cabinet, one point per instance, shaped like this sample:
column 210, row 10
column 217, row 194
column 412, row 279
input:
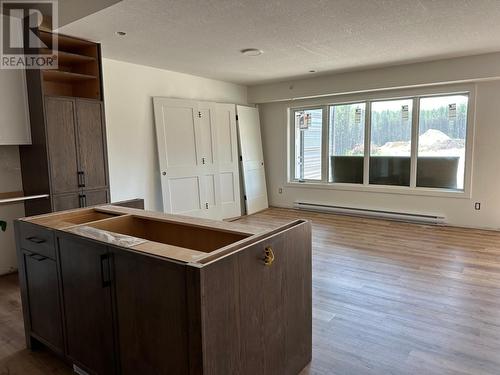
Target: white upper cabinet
column 14, row 113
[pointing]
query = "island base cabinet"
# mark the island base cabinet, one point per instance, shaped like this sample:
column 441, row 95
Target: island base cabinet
column 255, row 318
column 43, row 294
column 86, row 281
column 151, row 315
column 245, row 310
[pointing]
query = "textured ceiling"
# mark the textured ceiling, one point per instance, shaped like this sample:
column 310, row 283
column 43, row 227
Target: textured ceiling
column 204, row 37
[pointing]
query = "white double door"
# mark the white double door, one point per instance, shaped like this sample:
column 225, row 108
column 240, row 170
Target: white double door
column 198, row 156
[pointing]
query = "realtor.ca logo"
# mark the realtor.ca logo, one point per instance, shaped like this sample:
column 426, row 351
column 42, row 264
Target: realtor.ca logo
column 24, row 44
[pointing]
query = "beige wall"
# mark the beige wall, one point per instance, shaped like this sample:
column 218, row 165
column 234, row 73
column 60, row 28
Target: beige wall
column 128, row 91
column 458, row 211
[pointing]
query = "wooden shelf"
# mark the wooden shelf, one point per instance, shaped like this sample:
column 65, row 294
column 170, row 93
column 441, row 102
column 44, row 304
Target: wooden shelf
column 65, row 42
column 68, row 58
column 62, row 76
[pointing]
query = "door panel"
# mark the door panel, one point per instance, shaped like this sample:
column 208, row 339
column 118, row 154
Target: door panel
column 93, row 198
column 210, row 174
column 179, row 153
column 66, row 202
column 91, row 144
column 180, row 137
column 43, row 295
column 210, row 186
column 61, row 134
column 254, row 178
column 206, row 132
column 87, row 303
column 228, row 163
column 185, row 196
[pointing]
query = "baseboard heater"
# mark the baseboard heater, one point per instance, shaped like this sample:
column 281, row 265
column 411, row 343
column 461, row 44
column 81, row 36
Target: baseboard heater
column 401, row 216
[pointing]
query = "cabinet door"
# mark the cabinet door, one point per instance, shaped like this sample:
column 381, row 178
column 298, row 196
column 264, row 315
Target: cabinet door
column 61, row 135
column 151, row 315
column 91, row 144
column 66, row 202
column 43, row 296
column 86, row 283
column 93, row 198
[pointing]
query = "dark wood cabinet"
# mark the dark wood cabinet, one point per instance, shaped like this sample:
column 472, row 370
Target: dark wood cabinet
column 86, row 277
column 156, row 286
column 61, row 137
column 92, row 198
column 146, row 305
column 91, row 144
column 62, row 202
column 43, row 294
column 68, row 156
column 261, row 304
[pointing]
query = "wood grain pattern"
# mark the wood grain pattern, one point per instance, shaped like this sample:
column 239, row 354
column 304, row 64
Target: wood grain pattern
column 388, row 298
column 256, row 319
column 91, row 145
column 43, row 295
column 151, row 314
column 87, row 304
column 61, row 135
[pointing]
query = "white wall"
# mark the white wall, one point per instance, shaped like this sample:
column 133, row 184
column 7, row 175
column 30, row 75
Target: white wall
column 458, row 70
column 459, row 211
column 10, row 180
column 128, row 92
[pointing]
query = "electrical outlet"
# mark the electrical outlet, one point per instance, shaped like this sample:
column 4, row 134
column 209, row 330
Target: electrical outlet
column 280, row 190
column 477, row 206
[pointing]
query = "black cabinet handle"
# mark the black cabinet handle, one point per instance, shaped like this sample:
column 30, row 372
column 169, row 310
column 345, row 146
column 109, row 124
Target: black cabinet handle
column 37, row 240
column 83, row 200
column 105, row 271
column 81, row 179
column 38, row 257
column 79, row 175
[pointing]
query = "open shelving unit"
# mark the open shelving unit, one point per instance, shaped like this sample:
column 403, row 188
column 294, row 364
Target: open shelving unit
column 78, row 73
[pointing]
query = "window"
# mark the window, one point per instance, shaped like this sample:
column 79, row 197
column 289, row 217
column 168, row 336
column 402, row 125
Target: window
column 390, row 148
column 441, row 142
column 308, row 144
column 347, row 143
column 417, row 143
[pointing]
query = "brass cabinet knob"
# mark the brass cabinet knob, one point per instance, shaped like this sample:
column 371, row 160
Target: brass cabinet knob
column 268, row 256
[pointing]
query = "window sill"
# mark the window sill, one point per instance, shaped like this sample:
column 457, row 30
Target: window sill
column 381, row 189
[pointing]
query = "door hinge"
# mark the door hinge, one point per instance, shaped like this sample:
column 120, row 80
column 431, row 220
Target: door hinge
column 199, row 114
column 236, row 117
column 245, row 197
column 206, row 205
column 241, row 158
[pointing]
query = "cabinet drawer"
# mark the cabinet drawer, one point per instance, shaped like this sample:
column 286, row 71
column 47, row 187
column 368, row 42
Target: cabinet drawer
column 37, row 239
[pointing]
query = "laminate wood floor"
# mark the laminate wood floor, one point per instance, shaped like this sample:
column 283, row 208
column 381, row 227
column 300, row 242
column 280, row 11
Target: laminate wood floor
column 388, row 298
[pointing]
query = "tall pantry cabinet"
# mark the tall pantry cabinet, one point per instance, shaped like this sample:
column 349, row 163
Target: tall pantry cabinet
column 68, row 156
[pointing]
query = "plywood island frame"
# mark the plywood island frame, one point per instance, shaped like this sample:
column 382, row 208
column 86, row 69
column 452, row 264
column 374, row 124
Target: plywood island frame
column 117, row 290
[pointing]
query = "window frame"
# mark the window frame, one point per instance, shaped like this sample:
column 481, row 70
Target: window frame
column 374, row 96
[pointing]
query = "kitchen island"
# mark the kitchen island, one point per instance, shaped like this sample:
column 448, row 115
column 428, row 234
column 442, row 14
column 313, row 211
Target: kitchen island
column 116, row 290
